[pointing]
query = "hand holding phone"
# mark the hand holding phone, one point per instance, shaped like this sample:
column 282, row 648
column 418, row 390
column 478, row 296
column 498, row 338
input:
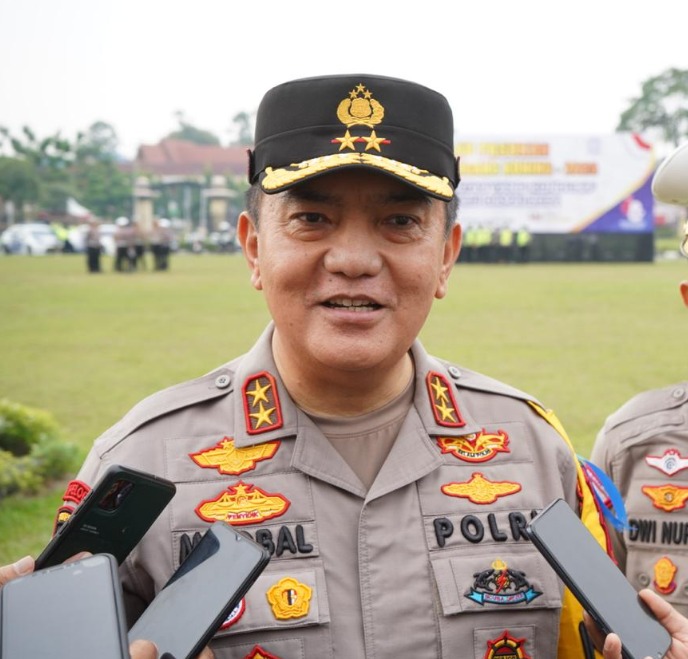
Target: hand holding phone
column 202, row 592
column 112, row 518
column 596, row 582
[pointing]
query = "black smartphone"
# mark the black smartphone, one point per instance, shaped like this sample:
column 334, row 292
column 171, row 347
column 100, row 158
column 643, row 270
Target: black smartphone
column 596, row 581
column 205, row 588
column 70, row 610
column 112, row 518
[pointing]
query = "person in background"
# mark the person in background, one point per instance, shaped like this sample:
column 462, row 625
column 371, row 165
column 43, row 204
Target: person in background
column 391, row 487
column 93, row 245
column 643, row 447
column 122, row 240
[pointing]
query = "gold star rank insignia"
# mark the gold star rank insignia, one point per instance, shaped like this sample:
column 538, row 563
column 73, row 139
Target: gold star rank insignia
column 476, row 447
column 666, row 497
column 481, row 490
column 289, row 598
column 243, row 504
column 228, row 459
column 442, row 401
column 262, row 410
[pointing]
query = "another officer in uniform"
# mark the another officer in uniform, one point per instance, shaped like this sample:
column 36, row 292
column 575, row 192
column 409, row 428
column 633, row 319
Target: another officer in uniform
column 643, row 446
column 391, row 486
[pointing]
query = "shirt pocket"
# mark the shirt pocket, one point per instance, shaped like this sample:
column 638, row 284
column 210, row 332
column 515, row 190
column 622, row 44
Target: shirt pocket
column 285, row 613
column 505, row 596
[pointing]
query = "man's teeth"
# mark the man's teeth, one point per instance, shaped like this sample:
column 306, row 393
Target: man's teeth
column 353, row 305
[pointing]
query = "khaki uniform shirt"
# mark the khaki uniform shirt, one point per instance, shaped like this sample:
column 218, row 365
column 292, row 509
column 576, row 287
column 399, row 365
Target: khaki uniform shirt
column 431, row 561
column 643, row 446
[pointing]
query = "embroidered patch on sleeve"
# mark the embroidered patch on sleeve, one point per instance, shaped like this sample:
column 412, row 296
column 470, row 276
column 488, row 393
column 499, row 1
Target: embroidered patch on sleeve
column 476, row 447
column 442, row 401
column 289, row 598
column 76, row 491
column 262, row 409
column 228, row 459
column 666, row 497
column 481, row 490
column 241, row 504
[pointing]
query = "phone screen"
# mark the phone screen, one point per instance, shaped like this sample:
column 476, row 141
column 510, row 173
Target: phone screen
column 71, row 610
column 596, row 581
column 192, row 605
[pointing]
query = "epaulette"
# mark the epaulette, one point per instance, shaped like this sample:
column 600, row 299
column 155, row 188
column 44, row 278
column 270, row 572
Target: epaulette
column 647, row 404
column 213, row 385
column 467, row 379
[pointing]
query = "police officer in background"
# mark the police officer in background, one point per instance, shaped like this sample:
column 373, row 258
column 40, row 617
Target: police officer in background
column 391, row 487
column 643, row 446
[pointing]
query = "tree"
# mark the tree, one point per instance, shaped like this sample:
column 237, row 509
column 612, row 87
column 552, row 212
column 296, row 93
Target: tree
column 191, row 133
column 18, row 182
column 662, row 106
column 244, row 128
column 97, row 144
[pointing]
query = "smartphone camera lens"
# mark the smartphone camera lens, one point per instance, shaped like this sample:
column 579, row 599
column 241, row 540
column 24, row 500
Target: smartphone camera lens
column 116, row 495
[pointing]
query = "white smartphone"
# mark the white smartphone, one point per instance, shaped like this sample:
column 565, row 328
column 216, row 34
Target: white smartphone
column 202, row 592
column 69, row 610
column 597, row 582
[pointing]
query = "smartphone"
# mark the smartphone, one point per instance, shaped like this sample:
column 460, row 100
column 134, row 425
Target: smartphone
column 71, row 610
column 199, row 596
column 596, row 581
column 112, row 518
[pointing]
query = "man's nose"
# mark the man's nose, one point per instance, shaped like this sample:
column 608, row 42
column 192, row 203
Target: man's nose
column 353, row 252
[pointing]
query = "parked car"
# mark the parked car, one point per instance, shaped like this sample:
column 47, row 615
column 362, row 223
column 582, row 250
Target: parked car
column 30, row 238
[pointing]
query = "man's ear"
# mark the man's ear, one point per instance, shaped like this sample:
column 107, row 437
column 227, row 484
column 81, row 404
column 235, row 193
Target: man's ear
column 452, row 248
column 247, row 233
column 684, row 292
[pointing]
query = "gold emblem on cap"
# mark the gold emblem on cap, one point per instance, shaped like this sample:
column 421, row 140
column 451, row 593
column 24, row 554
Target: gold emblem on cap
column 360, row 109
column 289, row 598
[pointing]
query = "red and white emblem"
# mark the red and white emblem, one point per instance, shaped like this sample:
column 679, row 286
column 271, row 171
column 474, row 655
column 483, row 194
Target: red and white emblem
column 669, row 463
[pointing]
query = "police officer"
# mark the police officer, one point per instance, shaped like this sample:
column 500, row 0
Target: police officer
column 643, row 446
column 391, row 487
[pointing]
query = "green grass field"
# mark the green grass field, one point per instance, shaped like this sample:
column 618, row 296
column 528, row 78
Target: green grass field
column 581, row 338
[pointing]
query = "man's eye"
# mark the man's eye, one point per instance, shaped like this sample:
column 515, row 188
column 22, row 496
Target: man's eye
column 402, row 221
column 311, row 218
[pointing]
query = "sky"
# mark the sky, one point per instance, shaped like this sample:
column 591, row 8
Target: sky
column 526, row 67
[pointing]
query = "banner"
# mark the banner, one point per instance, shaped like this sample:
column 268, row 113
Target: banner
column 557, row 184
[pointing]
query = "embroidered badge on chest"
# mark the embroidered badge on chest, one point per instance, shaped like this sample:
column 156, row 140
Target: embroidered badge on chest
column 506, row 647
column 481, row 490
column 669, row 463
column 228, row 459
column 243, row 503
column 664, row 573
column 476, row 447
column 501, row 585
column 262, row 409
column 442, row 401
column 258, row 653
column 234, row 615
column 666, row 497
column 289, row 598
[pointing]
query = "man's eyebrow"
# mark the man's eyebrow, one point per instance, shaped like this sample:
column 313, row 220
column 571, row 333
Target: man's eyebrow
column 302, row 193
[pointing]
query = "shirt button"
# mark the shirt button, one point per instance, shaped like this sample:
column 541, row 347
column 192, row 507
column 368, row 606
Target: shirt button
column 678, row 393
column 454, row 372
column 222, row 381
column 643, row 580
